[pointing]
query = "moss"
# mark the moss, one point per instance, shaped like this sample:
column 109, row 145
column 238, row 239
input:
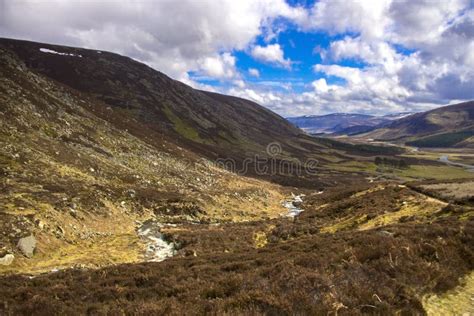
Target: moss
column 260, row 239
column 226, row 137
column 420, row 209
column 66, row 171
column 9, row 162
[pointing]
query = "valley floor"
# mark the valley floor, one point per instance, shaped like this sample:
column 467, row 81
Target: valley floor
column 377, row 248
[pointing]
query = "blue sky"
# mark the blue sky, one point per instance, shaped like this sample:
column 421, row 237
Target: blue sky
column 294, row 57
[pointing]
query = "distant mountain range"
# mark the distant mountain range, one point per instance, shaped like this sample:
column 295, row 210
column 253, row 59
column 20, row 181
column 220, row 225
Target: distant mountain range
column 448, row 126
column 343, row 123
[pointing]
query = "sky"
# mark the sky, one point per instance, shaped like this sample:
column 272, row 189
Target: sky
column 295, row 57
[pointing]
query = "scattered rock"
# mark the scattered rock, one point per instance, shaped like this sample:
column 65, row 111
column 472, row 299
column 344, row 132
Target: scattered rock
column 131, row 193
column 27, row 245
column 7, row 259
column 189, row 253
column 297, row 203
column 59, row 233
column 386, row 233
column 73, row 212
column 41, row 225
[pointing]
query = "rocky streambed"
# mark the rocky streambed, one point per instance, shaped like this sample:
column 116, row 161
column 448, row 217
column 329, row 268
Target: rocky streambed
column 157, row 248
column 293, row 205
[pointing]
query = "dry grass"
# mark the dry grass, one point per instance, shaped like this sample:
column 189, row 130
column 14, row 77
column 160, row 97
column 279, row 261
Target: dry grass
column 452, row 190
column 353, row 272
column 458, row 301
column 419, row 207
column 89, row 241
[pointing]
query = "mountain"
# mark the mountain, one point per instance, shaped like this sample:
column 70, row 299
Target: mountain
column 154, row 107
column 448, row 126
column 207, row 123
column 342, row 123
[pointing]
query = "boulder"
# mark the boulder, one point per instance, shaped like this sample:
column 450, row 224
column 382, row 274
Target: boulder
column 27, row 245
column 7, row 259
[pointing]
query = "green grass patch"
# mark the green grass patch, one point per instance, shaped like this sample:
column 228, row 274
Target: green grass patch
column 354, row 166
column 181, row 127
column 434, row 172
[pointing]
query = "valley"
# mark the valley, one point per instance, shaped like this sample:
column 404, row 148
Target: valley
column 145, row 196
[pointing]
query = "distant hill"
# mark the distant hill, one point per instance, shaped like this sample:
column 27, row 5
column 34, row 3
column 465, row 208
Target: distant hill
column 342, row 123
column 448, row 126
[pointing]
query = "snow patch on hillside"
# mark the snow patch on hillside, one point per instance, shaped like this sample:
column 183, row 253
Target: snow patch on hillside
column 50, row 51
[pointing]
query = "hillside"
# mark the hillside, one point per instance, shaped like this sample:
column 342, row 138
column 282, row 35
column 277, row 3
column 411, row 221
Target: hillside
column 207, row 123
column 355, row 250
column 448, row 126
column 154, row 107
column 74, row 176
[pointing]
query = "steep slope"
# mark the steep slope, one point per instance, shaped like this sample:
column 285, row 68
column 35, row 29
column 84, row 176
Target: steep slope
column 448, row 126
column 207, row 123
column 73, row 176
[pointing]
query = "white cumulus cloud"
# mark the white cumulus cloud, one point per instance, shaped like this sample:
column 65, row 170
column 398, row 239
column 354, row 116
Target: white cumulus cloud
column 272, row 54
column 405, row 54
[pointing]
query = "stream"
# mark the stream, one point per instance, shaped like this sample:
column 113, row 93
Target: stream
column 293, row 205
column 445, row 159
column 157, row 249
